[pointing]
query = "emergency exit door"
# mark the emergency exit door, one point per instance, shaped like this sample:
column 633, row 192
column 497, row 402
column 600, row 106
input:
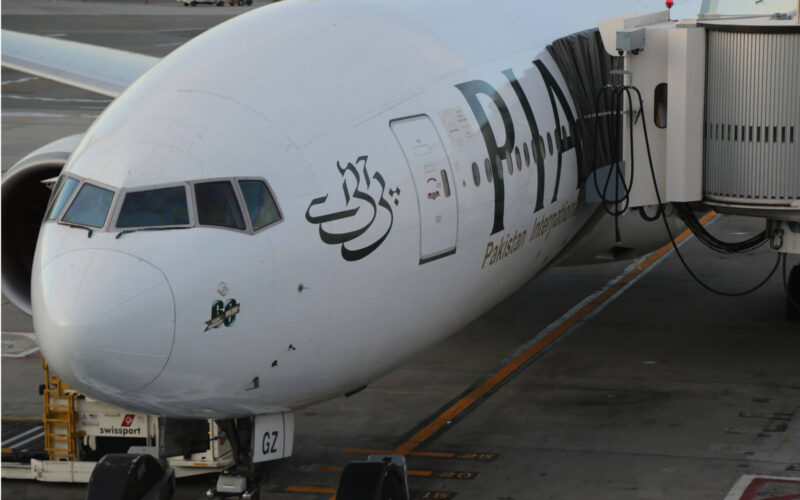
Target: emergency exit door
column 434, row 183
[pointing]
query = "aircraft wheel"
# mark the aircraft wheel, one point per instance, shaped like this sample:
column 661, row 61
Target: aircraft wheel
column 134, row 477
column 793, row 294
column 371, row 481
column 220, row 3
column 194, row 4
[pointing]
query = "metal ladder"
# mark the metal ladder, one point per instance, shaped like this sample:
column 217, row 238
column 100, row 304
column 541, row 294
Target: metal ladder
column 60, row 433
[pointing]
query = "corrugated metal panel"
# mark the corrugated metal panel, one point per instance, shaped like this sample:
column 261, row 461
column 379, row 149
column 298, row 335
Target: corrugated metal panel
column 752, row 129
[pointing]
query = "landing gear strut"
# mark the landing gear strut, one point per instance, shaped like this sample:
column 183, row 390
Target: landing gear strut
column 242, row 480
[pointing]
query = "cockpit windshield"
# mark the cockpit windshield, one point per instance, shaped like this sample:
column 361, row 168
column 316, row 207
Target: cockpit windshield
column 90, row 206
column 260, row 203
column 66, row 186
column 243, row 204
column 154, row 208
column 217, row 205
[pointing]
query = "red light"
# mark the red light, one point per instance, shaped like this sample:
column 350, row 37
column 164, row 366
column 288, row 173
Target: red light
column 670, row 3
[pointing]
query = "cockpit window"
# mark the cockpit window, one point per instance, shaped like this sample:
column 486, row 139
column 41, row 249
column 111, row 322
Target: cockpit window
column 154, row 208
column 90, row 206
column 217, row 205
column 66, row 186
column 260, row 204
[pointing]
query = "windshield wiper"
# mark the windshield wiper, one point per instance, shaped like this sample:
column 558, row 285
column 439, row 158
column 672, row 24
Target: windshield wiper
column 135, row 230
column 91, row 231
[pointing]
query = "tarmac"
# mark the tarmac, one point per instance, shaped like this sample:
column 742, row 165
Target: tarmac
column 618, row 381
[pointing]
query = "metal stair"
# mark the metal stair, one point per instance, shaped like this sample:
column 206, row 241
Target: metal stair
column 60, row 434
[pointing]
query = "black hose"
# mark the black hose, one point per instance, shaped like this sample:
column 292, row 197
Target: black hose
column 690, row 219
column 669, row 231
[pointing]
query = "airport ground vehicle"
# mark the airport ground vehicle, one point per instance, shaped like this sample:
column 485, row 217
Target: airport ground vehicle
column 193, row 3
column 76, row 431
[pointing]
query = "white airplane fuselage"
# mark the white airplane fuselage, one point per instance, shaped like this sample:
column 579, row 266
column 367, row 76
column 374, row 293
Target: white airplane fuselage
column 364, row 117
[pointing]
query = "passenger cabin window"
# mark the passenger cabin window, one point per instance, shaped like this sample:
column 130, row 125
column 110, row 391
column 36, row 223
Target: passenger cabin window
column 90, row 206
column 154, row 208
column 260, row 204
column 217, row 205
column 66, row 186
column 660, row 105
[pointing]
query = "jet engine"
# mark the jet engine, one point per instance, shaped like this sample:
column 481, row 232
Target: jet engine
column 25, row 197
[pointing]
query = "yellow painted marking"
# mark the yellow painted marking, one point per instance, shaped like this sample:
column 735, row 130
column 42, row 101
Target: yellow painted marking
column 332, row 468
column 439, row 495
column 328, row 468
column 22, row 419
column 428, row 454
column 7, row 451
column 311, row 489
column 475, row 395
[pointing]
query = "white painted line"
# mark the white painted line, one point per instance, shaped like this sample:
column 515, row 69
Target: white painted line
column 22, row 80
column 179, row 30
column 22, row 114
column 29, row 439
column 739, row 489
column 14, row 439
column 53, row 99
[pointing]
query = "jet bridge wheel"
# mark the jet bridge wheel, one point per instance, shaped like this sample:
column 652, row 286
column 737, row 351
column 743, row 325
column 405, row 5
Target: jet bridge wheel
column 120, row 476
column 793, row 294
column 372, row 481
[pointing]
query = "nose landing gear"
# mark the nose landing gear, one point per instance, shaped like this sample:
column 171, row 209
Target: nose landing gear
column 242, row 480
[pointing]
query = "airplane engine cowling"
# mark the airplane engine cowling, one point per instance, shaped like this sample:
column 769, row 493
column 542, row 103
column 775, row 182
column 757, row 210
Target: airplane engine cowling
column 24, row 201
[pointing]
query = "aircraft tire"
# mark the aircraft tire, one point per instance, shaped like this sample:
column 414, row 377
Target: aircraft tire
column 134, row 477
column 793, row 294
column 371, row 481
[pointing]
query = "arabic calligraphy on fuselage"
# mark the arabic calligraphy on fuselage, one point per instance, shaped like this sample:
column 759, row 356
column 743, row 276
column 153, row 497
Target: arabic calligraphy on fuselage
column 363, row 221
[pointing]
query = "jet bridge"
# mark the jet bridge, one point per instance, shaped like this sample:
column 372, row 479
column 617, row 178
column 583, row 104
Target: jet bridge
column 713, row 118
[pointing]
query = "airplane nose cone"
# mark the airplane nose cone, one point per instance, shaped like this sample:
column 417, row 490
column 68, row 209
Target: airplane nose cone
column 105, row 319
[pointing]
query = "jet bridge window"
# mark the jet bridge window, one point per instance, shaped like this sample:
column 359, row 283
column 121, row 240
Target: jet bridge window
column 66, row 186
column 154, row 208
column 260, row 204
column 217, row 205
column 90, row 206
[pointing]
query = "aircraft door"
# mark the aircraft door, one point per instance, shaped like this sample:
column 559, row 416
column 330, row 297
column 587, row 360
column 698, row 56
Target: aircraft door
column 434, row 183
